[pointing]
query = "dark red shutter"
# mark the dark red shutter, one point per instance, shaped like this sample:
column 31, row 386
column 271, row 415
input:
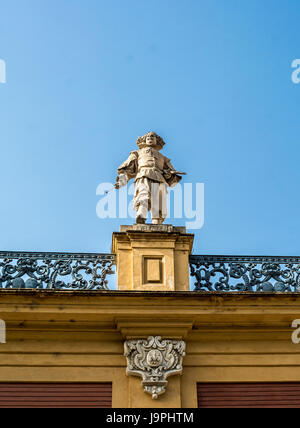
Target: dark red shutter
column 248, row 395
column 65, row 395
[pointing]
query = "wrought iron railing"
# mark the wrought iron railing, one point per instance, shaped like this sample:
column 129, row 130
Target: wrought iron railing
column 55, row 271
column 245, row 273
column 77, row 271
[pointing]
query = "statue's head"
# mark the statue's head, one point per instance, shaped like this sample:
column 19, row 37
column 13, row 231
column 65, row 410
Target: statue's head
column 151, row 140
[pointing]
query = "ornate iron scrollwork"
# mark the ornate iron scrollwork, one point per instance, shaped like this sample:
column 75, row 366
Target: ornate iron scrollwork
column 55, row 271
column 246, row 273
column 154, row 360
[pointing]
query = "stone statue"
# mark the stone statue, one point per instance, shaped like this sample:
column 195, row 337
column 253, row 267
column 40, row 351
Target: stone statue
column 153, row 173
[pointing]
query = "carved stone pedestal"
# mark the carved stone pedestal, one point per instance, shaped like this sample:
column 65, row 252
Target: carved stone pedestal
column 152, row 257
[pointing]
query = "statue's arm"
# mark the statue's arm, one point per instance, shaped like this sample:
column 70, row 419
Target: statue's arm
column 127, row 170
column 170, row 173
column 168, row 166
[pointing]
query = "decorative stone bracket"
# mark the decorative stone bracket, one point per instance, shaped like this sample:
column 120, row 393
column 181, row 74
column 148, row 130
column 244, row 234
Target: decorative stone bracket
column 154, row 360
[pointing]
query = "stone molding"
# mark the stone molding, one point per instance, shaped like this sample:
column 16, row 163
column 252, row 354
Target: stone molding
column 161, row 228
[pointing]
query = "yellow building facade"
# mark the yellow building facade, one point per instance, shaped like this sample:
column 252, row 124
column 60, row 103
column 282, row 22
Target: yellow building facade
column 63, row 336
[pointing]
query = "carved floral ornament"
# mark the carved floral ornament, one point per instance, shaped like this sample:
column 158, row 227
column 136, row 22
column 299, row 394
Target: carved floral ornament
column 154, row 360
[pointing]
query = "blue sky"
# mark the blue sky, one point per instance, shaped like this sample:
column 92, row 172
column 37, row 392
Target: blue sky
column 213, row 77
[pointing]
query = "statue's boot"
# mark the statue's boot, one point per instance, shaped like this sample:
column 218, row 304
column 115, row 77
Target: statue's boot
column 142, row 213
column 140, row 220
column 157, row 220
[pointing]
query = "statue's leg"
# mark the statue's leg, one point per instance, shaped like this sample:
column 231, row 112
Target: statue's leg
column 163, row 199
column 141, row 200
column 158, row 202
